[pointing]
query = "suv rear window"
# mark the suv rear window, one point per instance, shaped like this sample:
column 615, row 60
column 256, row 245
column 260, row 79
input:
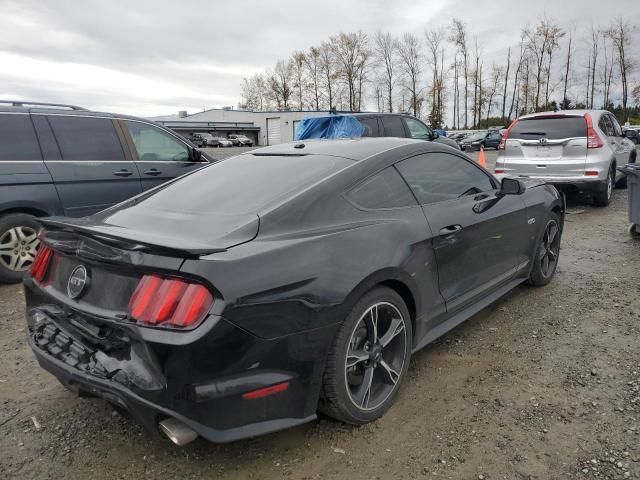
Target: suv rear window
column 17, row 139
column 244, row 184
column 554, row 128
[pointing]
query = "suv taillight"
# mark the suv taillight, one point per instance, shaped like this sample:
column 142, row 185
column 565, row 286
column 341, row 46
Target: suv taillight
column 593, row 139
column 169, row 302
column 40, row 264
column 505, row 136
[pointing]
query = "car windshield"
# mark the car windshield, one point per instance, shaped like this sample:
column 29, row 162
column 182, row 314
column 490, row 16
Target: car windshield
column 476, row 136
column 244, row 184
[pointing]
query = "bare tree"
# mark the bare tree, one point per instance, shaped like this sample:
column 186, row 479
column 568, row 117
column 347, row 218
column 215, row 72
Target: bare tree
column 313, row 67
column 497, row 73
column 505, row 83
column 280, row 83
column 477, row 76
column 328, row 71
column 607, row 72
column 255, row 93
column 567, row 68
column 636, row 94
column 542, row 40
column 435, row 39
column 459, row 39
column 385, row 51
column 620, row 33
column 410, row 55
column 351, row 54
column 516, row 80
column 298, row 73
column 595, row 42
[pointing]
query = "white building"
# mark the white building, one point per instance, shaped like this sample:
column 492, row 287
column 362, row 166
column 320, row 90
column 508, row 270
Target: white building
column 265, row 128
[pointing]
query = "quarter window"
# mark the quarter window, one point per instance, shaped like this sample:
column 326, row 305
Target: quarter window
column 436, row 177
column 152, row 144
column 616, row 126
column 417, row 129
column 370, row 126
column 393, row 126
column 86, row 138
column 384, row 190
column 17, row 139
column 605, row 125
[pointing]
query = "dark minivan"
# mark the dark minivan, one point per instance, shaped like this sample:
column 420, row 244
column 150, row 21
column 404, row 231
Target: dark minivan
column 65, row 160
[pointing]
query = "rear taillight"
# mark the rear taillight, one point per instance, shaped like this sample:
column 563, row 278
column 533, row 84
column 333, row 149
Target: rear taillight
column 505, row 135
column 498, row 170
column 593, row 139
column 40, row 264
column 591, row 173
column 169, row 302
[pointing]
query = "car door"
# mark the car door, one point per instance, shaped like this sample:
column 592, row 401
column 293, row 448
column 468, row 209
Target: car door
column 493, row 140
column 91, row 171
column 159, row 155
column 623, row 144
column 479, row 235
column 417, row 129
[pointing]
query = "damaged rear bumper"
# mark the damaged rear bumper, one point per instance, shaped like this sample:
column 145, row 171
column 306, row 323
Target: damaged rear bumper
column 152, row 390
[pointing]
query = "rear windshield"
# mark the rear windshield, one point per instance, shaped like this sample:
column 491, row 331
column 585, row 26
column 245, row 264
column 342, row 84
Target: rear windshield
column 554, row 128
column 244, row 184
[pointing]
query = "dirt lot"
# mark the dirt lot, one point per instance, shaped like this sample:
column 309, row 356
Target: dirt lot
column 544, row 384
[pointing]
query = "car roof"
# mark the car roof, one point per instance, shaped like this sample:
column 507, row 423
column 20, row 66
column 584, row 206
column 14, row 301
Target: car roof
column 351, row 148
column 61, row 110
column 570, row 113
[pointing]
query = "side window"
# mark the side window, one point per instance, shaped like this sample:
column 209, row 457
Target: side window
column 436, row 177
column 605, row 125
column 17, row 138
column 370, row 125
column 152, row 144
column 393, row 126
column 417, row 129
column 86, row 138
column 384, row 190
column 616, row 126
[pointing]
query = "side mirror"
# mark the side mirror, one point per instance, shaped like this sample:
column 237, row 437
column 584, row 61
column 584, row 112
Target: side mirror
column 195, row 154
column 512, row 186
column 434, row 135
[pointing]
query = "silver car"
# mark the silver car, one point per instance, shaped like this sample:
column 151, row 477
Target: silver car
column 580, row 148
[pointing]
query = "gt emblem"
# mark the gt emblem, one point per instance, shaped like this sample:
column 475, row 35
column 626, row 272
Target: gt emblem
column 531, row 221
column 78, row 281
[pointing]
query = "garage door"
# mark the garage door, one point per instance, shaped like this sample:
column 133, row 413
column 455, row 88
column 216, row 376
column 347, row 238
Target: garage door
column 273, row 131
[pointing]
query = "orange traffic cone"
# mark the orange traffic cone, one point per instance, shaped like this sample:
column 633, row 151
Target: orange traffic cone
column 481, row 160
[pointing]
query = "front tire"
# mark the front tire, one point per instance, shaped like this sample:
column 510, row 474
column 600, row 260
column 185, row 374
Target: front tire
column 545, row 260
column 18, row 245
column 368, row 359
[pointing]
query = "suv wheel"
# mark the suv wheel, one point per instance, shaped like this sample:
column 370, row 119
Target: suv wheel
column 602, row 197
column 18, row 245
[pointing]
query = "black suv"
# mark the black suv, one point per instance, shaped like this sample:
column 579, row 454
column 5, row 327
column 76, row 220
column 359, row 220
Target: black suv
column 399, row 125
column 65, row 160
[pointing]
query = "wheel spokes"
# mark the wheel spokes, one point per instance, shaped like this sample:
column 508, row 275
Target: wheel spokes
column 390, row 375
column 354, row 357
column 396, row 327
column 553, row 231
column 363, row 393
column 371, row 320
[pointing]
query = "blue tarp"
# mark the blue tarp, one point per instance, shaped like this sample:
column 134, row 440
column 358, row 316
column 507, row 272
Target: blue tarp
column 329, row 126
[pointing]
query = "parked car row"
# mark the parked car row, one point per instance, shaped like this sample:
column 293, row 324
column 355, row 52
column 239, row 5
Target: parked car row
column 205, row 139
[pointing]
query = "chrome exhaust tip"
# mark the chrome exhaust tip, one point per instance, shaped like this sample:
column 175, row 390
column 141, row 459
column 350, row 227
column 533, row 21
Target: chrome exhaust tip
column 177, row 432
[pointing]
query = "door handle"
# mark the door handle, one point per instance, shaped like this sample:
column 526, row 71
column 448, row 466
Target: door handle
column 152, row 171
column 450, row 230
column 123, row 173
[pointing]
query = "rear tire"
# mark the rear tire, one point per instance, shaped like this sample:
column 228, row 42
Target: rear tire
column 18, row 245
column 366, row 364
column 547, row 254
column 602, row 196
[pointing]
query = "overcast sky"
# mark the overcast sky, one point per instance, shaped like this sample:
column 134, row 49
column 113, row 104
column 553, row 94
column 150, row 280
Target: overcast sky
column 156, row 57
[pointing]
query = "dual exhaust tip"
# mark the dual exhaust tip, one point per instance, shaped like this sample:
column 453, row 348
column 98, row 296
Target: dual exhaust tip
column 177, row 432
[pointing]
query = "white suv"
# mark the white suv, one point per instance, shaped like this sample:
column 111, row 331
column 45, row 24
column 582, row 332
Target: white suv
column 579, row 148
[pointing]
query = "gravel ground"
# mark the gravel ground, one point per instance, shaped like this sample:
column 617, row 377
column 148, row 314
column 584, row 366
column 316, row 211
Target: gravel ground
column 544, row 384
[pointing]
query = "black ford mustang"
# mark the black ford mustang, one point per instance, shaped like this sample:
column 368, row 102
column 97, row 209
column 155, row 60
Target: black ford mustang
column 245, row 297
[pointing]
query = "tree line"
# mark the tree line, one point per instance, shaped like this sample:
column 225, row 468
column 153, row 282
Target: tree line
column 442, row 75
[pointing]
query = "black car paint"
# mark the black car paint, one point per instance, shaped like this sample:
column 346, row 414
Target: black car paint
column 280, row 297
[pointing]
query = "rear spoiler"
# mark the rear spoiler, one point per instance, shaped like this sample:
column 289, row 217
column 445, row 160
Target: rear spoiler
column 132, row 242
